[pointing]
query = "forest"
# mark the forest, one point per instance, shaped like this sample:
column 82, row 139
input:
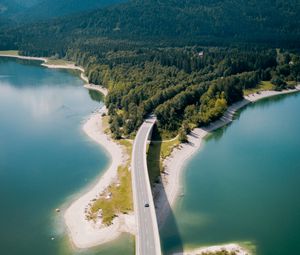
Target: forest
column 169, row 22
column 183, row 86
column 184, row 61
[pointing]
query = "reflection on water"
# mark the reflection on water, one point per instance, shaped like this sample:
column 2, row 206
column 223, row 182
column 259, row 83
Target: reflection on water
column 42, row 102
column 96, row 96
column 44, row 157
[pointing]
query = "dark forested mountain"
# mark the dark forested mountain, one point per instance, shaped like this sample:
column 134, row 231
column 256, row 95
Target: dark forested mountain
column 193, row 20
column 57, row 8
column 9, row 7
column 31, row 10
column 186, row 61
column 273, row 22
column 258, row 20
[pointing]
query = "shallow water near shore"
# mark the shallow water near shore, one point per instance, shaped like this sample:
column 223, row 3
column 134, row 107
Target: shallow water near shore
column 243, row 184
column 45, row 158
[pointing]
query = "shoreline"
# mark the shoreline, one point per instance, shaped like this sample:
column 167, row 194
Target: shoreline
column 87, row 85
column 231, row 248
column 171, row 186
column 86, row 234
column 82, row 233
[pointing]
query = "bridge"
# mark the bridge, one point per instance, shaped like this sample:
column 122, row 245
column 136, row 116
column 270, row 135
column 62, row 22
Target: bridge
column 147, row 235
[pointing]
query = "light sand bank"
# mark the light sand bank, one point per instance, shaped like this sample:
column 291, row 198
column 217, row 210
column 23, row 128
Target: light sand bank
column 238, row 250
column 24, row 57
column 84, row 233
column 98, row 88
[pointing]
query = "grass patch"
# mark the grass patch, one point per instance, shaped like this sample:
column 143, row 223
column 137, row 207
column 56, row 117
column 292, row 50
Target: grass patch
column 166, row 135
column 157, row 151
column 115, row 200
column 291, row 83
column 127, row 144
column 264, row 85
column 9, row 52
column 167, row 147
column 105, row 124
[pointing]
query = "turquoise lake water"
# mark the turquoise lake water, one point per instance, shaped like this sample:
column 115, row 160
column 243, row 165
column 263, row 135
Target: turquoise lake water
column 45, row 158
column 244, row 184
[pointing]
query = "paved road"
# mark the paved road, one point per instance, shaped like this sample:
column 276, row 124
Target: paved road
column 147, row 238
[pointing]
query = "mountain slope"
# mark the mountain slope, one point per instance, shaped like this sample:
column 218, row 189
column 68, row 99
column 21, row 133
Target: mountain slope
column 31, row 10
column 190, row 20
column 193, row 18
column 177, row 22
column 9, row 7
column 151, row 55
column 57, row 8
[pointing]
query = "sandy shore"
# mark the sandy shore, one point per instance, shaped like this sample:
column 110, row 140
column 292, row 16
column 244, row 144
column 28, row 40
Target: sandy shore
column 24, row 57
column 84, row 233
column 167, row 192
column 98, row 88
column 170, row 187
column 238, row 250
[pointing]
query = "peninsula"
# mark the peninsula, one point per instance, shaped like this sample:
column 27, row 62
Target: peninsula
column 170, row 72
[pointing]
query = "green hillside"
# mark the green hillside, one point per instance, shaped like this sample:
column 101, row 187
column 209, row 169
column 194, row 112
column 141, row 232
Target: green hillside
column 19, row 11
column 186, row 61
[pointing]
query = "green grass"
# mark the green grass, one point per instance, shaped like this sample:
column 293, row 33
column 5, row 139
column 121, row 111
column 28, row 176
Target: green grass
column 292, row 83
column 9, row 52
column 167, row 147
column 166, row 135
column 264, row 85
column 127, row 144
column 120, row 200
column 105, row 124
column 120, row 192
column 157, row 151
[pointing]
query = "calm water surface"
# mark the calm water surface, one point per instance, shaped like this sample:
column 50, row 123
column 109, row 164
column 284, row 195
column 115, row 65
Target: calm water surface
column 244, row 184
column 45, row 158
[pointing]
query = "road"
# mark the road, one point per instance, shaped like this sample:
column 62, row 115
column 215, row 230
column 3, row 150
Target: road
column 147, row 237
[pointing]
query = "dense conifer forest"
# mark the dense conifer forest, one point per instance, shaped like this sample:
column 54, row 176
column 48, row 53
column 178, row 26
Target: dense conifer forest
column 185, row 61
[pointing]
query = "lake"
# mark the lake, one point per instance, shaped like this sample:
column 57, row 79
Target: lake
column 45, row 158
column 244, row 184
